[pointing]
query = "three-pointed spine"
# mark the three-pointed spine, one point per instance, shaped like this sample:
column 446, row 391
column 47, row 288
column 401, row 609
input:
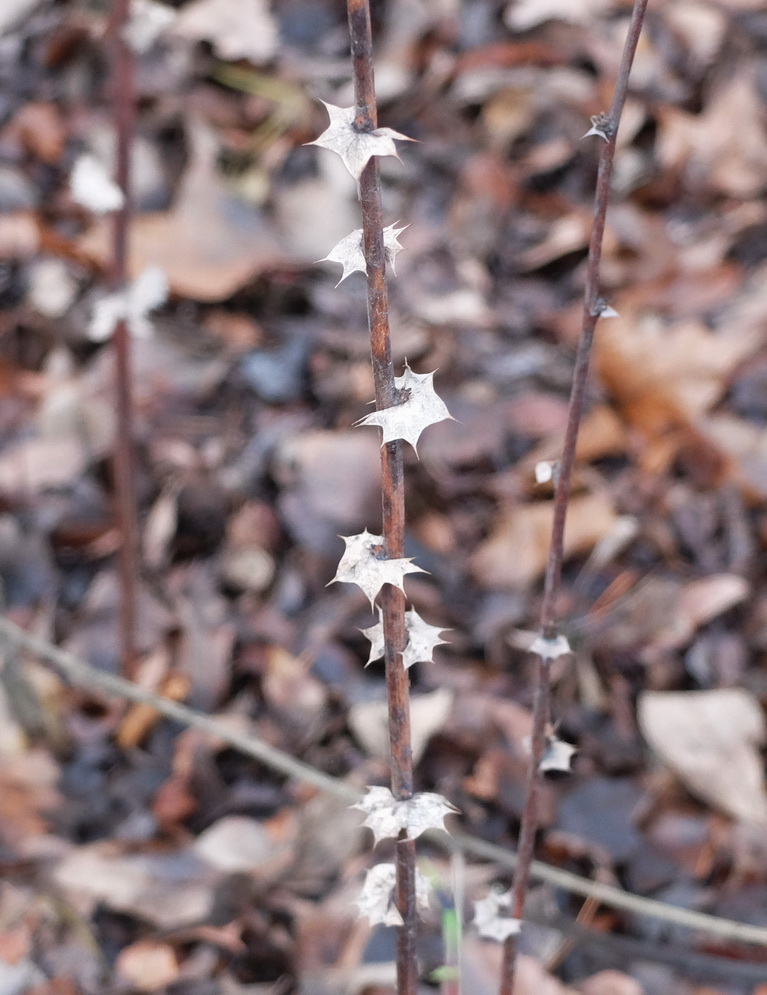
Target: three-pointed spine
column 392, row 486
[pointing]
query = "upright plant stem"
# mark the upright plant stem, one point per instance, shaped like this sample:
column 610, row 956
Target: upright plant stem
column 393, row 490
column 592, row 307
column 124, row 104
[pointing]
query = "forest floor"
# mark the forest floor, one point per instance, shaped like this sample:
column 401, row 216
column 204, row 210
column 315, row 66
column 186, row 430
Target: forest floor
column 142, row 856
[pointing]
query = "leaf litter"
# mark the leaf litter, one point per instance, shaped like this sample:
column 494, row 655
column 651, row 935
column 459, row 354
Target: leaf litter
column 246, row 488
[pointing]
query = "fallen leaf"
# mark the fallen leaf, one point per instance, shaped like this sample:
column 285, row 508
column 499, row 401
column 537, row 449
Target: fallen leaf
column 147, row 965
column 146, row 293
column 356, row 148
column 516, row 552
column 245, row 29
column 711, row 740
column 237, row 843
column 170, row 890
column 92, row 187
column 612, row 983
column 525, row 14
column 148, row 20
column 208, row 245
column 369, row 721
column 728, row 150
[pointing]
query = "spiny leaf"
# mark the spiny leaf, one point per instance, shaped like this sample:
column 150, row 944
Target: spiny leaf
column 422, row 640
column 386, row 816
column 356, row 147
column 364, row 564
column 550, row 647
column 422, row 407
column 147, row 292
column 349, row 252
column 376, row 900
column 148, row 19
column 489, row 918
column 92, row 188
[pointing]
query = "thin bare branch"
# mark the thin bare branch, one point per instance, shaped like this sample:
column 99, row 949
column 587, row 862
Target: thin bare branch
column 124, row 103
column 83, row 675
column 592, row 308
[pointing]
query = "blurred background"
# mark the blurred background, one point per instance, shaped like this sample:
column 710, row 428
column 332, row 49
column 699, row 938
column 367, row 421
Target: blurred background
column 140, row 856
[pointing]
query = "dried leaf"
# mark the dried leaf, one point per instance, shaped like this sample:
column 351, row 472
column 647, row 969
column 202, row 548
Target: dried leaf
column 148, row 19
column 356, row 147
column 146, row 293
column 242, row 30
column 422, row 407
column 386, row 816
column 92, row 187
column 376, row 900
column 349, row 252
column 209, row 244
column 369, row 721
column 422, row 640
column 490, row 920
column 364, row 564
column 147, row 965
column 516, row 552
column 711, row 739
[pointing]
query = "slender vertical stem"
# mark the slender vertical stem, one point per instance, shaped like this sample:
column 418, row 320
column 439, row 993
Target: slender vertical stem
column 592, row 307
column 392, row 487
column 124, row 104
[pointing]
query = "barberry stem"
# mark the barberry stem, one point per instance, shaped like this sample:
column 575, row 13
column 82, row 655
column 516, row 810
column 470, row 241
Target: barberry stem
column 548, row 616
column 392, row 487
column 124, row 103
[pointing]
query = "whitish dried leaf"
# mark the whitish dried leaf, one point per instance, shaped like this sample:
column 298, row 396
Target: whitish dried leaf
column 422, row 640
column 712, row 740
column 365, row 564
column 491, row 918
column 92, row 187
column 551, row 647
column 558, row 755
column 349, row 252
column 147, row 965
column 386, row 816
column 421, row 407
column 356, row 147
column 525, row 14
column 242, row 30
column 148, row 19
column 376, row 900
column 145, row 294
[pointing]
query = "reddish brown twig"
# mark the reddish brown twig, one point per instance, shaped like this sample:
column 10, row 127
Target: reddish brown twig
column 592, row 308
column 124, row 104
column 392, row 487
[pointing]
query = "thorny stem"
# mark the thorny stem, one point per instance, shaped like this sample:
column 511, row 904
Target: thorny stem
column 592, row 307
column 392, row 487
column 123, row 100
